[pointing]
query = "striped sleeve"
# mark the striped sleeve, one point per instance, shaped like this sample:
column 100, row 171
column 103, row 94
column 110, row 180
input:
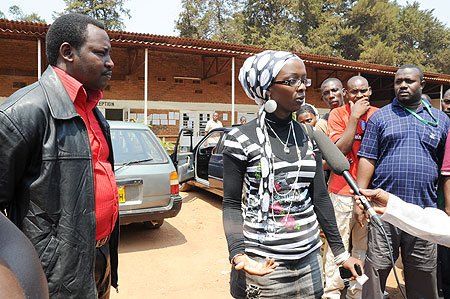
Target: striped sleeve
column 233, row 145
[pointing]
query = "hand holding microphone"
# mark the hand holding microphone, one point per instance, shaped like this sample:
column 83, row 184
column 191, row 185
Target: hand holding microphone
column 340, row 166
column 378, row 198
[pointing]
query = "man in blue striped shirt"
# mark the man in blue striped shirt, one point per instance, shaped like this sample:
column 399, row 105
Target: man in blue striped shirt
column 401, row 153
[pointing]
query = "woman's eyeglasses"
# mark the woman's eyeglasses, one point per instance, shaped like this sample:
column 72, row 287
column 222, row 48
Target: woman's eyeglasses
column 294, row 82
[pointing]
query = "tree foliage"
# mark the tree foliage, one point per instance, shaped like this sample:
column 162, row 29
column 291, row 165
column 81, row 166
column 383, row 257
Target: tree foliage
column 16, row 13
column 209, row 19
column 110, row 12
column 375, row 31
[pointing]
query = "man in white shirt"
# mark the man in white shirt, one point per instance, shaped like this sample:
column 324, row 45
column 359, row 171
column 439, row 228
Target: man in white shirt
column 213, row 123
column 430, row 224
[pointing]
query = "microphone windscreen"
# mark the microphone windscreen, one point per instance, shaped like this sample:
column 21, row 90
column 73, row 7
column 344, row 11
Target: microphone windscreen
column 331, row 153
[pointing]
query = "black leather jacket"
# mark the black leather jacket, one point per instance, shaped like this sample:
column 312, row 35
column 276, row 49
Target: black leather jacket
column 47, row 183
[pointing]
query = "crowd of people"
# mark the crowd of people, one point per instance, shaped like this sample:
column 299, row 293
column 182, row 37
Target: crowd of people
column 273, row 233
column 57, row 183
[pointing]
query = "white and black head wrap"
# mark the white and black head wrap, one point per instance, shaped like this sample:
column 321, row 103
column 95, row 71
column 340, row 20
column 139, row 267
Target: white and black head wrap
column 258, row 72
column 256, row 76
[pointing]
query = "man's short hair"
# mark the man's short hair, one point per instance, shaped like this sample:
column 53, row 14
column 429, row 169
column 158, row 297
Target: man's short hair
column 413, row 66
column 447, row 92
column 69, row 28
column 357, row 77
column 330, row 80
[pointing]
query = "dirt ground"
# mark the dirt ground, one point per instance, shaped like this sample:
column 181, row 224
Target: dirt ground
column 186, row 257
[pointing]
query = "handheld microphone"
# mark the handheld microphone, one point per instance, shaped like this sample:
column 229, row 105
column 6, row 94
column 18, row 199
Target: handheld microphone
column 340, row 166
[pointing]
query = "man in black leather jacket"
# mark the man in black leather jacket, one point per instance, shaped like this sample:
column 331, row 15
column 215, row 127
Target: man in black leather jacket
column 50, row 151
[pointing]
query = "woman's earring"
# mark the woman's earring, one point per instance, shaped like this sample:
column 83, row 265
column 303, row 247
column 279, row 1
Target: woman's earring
column 270, row 106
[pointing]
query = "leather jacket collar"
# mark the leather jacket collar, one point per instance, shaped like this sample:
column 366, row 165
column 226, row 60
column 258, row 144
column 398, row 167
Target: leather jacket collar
column 59, row 102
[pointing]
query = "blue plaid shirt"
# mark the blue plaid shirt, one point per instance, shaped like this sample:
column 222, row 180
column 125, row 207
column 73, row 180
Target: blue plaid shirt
column 408, row 153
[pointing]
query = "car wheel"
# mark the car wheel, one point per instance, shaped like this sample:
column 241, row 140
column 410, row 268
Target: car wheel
column 185, row 187
column 153, row 224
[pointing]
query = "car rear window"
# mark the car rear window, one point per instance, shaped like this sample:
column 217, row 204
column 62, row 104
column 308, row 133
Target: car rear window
column 131, row 145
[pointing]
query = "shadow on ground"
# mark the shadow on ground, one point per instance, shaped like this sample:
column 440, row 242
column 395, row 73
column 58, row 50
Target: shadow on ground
column 208, row 197
column 394, row 293
column 137, row 237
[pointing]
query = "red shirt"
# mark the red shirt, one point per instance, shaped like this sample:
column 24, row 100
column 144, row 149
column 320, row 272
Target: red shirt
column 106, row 196
column 445, row 169
column 337, row 122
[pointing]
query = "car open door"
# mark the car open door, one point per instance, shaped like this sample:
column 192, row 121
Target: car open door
column 215, row 165
column 184, row 161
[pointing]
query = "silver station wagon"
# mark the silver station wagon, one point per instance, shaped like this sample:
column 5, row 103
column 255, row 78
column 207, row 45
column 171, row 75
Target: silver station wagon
column 146, row 178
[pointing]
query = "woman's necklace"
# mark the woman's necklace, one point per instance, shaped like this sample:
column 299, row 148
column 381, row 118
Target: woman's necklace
column 299, row 157
column 293, row 185
column 285, row 144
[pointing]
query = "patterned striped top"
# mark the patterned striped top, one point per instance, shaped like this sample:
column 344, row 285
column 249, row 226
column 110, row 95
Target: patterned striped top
column 291, row 231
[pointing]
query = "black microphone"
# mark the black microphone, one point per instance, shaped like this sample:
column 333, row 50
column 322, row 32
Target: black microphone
column 340, row 166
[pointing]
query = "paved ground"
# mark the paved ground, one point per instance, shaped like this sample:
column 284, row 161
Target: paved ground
column 185, row 258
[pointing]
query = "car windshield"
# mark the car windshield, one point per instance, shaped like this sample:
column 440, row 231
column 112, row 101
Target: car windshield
column 134, row 145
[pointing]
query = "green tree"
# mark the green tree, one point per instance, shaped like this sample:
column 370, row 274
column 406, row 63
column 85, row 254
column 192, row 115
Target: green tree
column 375, row 31
column 374, row 27
column 422, row 38
column 262, row 17
column 210, row 19
column 110, row 12
column 18, row 15
column 374, row 50
column 441, row 61
column 281, row 40
column 324, row 39
column 190, row 19
column 2, row 15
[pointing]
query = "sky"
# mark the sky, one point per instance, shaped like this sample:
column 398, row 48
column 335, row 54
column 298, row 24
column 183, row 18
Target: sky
column 159, row 17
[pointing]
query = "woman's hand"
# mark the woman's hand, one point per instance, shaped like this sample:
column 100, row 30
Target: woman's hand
column 350, row 265
column 243, row 262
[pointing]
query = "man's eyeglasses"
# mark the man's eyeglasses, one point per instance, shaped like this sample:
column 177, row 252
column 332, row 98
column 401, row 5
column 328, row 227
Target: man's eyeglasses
column 294, row 82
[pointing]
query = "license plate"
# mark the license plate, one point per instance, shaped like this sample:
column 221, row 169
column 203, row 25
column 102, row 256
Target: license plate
column 121, row 191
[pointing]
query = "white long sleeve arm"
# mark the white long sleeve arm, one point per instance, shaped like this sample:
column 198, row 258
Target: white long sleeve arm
column 430, row 224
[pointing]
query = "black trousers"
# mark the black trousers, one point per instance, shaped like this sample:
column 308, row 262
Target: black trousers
column 444, row 270
column 103, row 271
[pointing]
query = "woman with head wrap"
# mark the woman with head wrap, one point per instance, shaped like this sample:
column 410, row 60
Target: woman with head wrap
column 272, row 234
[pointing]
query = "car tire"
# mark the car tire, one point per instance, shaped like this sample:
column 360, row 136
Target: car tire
column 153, row 224
column 185, row 187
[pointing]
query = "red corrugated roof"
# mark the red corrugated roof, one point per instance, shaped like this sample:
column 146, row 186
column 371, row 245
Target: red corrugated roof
column 26, row 30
